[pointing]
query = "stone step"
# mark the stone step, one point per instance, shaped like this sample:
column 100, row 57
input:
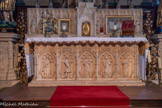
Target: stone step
column 9, row 83
column 88, row 83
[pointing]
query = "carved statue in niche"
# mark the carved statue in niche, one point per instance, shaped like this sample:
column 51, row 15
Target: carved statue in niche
column 32, row 26
column 47, row 67
column 105, row 66
column 126, row 65
column 87, row 66
column 67, row 66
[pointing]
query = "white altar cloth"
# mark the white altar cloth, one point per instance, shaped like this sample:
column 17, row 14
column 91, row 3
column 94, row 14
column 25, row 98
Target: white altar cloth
column 85, row 39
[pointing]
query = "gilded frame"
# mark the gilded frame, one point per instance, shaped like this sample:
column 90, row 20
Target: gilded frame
column 122, row 18
column 67, row 23
column 53, row 23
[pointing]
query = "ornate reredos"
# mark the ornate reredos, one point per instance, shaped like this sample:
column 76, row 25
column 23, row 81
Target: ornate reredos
column 85, row 12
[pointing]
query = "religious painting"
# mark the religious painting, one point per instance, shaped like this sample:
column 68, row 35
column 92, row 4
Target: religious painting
column 86, row 28
column 64, row 25
column 115, row 20
column 49, row 26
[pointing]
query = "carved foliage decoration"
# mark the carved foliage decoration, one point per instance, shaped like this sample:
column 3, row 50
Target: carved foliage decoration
column 87, row 65
column 67, row 69
column 47, row 66
column 106, row 65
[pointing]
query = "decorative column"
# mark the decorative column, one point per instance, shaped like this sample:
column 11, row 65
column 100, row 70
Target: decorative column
column 77, row 62
column 11, row 75
column 97, row 61
column 57, row 62
column 117, row 61
column 35, row 64
column 157, row 38
column 136, row 63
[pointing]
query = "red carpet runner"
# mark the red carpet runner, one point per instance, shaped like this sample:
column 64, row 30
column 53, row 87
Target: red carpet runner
column 86, row 96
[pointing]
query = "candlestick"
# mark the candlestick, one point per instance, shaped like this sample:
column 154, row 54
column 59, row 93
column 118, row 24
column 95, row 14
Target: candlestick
column 159, row 63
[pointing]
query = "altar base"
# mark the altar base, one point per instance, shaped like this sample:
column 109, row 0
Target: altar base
column 47, row 83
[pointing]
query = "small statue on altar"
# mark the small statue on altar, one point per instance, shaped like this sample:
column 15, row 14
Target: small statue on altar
column 159, row 15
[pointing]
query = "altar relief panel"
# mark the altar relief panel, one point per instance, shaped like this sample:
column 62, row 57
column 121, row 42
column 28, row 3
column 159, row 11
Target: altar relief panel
column 45, row 61
column 86, row 62
column 66, row 62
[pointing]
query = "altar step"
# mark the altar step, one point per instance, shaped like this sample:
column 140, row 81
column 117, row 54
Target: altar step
column 8, row 83
column 47, row 83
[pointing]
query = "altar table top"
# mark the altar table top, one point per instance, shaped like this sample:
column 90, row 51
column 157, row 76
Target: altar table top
column 86, row 39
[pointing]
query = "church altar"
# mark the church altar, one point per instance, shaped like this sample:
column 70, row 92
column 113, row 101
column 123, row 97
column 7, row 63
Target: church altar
column 89, row 55
column 82, row 59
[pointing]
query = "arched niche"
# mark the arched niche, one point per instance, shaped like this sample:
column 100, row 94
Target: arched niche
column 126, row 66
column 67, row 66
column 87, row 65
column 106, row 65
column 47, row 66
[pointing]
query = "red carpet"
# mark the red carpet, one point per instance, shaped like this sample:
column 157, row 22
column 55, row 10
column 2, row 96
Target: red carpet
column 100, row 96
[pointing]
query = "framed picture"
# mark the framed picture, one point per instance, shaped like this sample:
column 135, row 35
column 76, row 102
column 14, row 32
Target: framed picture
column 49, row 25
column 114, row 19
column 86, row 28
column 64, row 25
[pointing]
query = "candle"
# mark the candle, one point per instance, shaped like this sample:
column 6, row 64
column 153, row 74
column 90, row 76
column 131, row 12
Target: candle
column 115, row 27
column 149, row 56
column 64, row 27
column 159, row 63
column 101, row 29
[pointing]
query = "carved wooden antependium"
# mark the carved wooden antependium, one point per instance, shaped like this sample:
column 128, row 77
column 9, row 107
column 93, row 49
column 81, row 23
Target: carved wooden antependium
column 86, row 28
